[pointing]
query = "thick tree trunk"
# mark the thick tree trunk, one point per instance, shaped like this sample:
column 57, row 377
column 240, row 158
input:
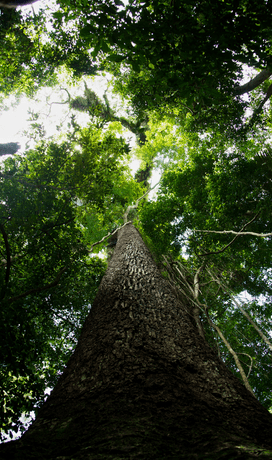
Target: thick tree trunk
column 142, row 383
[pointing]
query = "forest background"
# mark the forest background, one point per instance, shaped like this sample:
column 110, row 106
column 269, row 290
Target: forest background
column 176, row 74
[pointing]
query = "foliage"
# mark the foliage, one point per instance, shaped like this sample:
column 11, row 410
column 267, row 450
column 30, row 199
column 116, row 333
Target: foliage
column 48, row 280
column 164, row 55
column 29, row 59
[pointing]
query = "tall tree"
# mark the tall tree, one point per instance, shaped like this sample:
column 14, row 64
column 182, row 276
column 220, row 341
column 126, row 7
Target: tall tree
column 142, row 382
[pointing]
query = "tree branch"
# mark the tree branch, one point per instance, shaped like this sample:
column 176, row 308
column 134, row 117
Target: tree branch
column 258, row 110
column 236, row 359
column 108, row 235
column 228, row 231
column 196, row 308
column 254, row 82
column 60, row 102
column 263, row 235
column 251, row 362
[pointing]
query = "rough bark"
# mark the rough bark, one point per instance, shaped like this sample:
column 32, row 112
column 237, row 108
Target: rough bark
column 142, row 383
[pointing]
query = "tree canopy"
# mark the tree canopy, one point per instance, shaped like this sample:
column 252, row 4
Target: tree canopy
column 194, row 83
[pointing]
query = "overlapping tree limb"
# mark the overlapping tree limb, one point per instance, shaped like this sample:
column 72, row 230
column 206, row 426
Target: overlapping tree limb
column 177, row 281
column 58, row 102
column 108, row 235
column 251, row 362
column 234, row 354
column 258, row 109
column 262, row 235
column 91, row 103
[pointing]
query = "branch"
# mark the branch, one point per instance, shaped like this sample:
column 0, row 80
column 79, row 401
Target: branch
column 254, row 82
column 196, row 306
column 108, row 235
column 258, row 110
column 236, row 359
column 251, row 362
column 61, row 102
column 224, row 287
column 263, row 235
column 36, row 290
column 227, row 231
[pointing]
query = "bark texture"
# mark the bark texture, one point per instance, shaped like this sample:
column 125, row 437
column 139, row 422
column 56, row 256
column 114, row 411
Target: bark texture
column 143, row 383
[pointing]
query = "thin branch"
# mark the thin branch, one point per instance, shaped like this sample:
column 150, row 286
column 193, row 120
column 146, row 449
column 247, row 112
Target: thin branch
column 37, row 290
column 262, row 235
column 108, row 235
column 236, row 359
column 258, row 110
column 226, row 231
column 251, row 362
column 265, row 339
column 196, row 308
column 224, row 287
column 254, row 82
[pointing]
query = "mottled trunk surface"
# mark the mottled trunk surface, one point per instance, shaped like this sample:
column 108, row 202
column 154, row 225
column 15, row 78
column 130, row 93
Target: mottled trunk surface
column 142, row 383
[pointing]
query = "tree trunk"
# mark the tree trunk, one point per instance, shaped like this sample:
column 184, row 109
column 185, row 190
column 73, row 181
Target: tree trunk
column 9, row 148
column 253, row 83
column 15, row 3
column 142, row 383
